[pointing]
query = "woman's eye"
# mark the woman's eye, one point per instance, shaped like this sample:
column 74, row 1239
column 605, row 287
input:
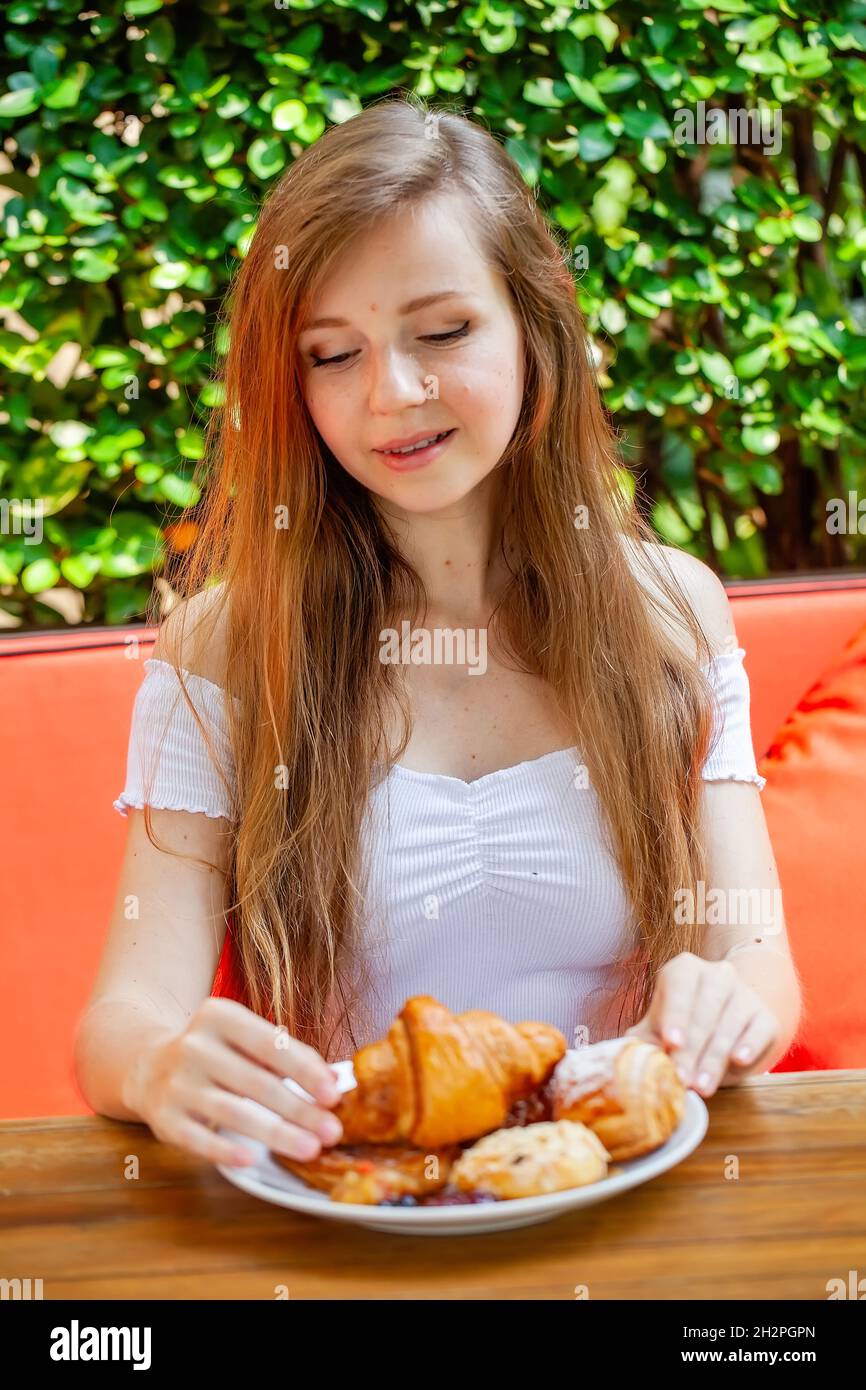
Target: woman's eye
column 328, row 361
column 428, row 338
column 445, row 337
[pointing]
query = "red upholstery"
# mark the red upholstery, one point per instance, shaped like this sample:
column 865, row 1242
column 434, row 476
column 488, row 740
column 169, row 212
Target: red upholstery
column 813, row 801
column 65, row 705
column 791, row 630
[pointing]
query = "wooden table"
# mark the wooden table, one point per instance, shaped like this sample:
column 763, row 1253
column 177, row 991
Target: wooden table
column 73, row 1213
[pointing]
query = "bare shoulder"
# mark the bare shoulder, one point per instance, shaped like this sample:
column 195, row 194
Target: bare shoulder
column 193, row 634
column 702, row 589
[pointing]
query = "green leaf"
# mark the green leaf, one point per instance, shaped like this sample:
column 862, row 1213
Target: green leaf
column 751, row 364
column 665, row 75
column 80, row 570
column 715, row 367
column 612, row 316
column 774, row 230
column 171, row 275
column 159, row 43
column 760, row 439
column 38, row 576
column 65, row 91
column 764, row 63
column 449, row 79
column 527, row 159
column 266, row 158
column 540, row 91
column 646, row 125
column 766, row 476
column 217, row 149
column 20, row 103
column 851, row 35
column 181, row 491
column 599, row 26
column 191, row 444
column 642, row 306
column 288, row 115
column 585, row 92
column 752, row 30
column 616, row 79
column 806, row 228
column 739, row 219
column 498, row 40
column 176, row 176
column 596, row 141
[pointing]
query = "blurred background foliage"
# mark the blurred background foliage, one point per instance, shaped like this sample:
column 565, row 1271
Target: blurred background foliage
column 723, row 283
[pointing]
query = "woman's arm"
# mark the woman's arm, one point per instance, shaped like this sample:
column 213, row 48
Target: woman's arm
column 160, row 955
column 743, row 987
column 168, row 924
column 750, row 931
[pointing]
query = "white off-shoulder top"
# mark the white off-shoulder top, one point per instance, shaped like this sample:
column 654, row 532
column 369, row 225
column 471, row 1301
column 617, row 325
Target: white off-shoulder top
column 499, row 893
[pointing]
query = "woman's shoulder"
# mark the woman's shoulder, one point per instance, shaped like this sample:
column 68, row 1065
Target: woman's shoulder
column 192, row 636
column 701, row 587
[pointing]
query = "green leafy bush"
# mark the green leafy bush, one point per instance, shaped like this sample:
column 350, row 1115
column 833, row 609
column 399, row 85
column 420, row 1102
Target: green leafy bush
column 722, row 279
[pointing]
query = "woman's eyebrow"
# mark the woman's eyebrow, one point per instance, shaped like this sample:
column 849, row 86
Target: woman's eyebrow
column 422, row 302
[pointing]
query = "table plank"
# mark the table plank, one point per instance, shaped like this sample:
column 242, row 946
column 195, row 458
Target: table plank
column 794, row 1217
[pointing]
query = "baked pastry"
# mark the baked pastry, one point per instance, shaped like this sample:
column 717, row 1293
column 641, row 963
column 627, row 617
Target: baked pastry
column 525, row 1162
column 373, row 1173
column 439, row 1078
column 626, row 1090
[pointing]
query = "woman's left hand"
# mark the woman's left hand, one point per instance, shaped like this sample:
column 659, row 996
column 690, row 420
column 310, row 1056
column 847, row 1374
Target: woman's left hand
column 713, row 1023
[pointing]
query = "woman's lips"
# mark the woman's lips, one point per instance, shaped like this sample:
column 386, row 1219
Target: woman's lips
column 406, row 463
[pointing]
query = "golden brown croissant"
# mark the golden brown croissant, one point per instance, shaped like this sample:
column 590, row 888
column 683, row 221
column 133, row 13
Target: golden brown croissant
column 439, row 1078
column 372, row 1173
column 626, row 1090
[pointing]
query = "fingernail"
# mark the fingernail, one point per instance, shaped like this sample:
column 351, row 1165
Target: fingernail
column 675, row 1036
column 331, row 1129
column 704, row 1081
column 743, row 1054
column 683, row 1072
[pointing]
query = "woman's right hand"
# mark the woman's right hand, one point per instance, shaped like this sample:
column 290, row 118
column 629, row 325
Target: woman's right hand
column 199, row 1078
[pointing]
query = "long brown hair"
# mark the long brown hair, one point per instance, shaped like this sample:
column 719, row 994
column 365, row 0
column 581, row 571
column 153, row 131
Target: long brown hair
column 305, row 573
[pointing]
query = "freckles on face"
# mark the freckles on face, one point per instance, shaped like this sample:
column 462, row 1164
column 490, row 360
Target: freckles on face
column 399, row 376
column 490, row 386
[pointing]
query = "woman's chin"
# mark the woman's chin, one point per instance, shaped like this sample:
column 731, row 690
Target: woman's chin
column 418, row 496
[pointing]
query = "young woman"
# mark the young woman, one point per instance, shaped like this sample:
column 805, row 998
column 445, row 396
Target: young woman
column 432, row 717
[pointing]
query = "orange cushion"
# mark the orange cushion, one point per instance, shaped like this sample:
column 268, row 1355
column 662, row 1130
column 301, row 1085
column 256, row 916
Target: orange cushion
column 791, row 629
column 814, row 803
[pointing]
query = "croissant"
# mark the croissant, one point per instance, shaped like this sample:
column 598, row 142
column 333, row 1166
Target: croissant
column 626, row 1090
column 372, row 1173
column 439, row 1078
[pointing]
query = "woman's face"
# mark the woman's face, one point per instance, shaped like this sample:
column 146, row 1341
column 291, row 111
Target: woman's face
column 406, row 371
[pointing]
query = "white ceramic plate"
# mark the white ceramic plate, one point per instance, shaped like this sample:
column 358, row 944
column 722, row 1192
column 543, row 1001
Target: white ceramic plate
column 273, row 1183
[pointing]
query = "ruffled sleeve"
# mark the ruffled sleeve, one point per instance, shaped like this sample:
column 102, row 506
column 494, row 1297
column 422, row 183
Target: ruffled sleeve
column 732, row 757
column 168, row 761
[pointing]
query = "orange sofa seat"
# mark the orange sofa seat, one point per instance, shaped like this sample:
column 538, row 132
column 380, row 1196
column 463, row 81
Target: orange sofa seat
column 65, row 707
column 813, row 801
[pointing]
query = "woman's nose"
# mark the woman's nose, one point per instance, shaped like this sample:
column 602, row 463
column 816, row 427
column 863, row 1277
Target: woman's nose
column 396, row 380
